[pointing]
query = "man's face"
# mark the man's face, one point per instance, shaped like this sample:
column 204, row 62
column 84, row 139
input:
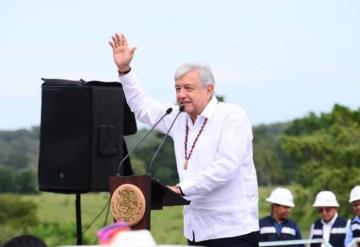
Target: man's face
column 356, row 207
column 192, row 94
column 327, row 213
column 281, row 212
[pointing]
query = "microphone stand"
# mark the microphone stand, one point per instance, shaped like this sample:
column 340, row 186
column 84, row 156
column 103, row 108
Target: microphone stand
column 156, row 195
column 150, row 170
column 167, row 112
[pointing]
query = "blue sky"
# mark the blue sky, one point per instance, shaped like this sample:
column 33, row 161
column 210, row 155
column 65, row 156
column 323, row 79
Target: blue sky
column 278, row 59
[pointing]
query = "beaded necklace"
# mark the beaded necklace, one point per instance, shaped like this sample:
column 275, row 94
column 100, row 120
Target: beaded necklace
column 187, row 157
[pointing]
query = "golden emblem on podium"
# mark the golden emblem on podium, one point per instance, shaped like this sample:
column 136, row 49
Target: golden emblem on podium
column 128, row 204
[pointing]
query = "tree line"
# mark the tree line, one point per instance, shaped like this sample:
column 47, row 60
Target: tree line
column 317, row 151
column 18, row 160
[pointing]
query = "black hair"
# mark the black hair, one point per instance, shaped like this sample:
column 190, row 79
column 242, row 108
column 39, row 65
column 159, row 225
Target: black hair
column 25, row 241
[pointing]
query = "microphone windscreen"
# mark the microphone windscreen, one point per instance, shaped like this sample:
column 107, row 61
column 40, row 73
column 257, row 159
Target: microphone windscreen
column 169, row 110
column 181, row 108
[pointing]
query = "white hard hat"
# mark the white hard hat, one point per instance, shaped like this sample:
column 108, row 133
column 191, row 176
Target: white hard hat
column 355, row 194
column 325, row 199
column 281, row 196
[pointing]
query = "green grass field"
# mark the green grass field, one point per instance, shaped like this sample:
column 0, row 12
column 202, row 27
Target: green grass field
column 166, row 224
column 56, row 213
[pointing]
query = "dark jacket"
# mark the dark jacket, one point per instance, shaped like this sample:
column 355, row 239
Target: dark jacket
column 270, row 230
column 337, row 233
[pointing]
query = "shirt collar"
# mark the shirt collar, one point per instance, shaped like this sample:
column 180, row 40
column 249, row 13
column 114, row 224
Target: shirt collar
column 209, row 108
column 331, row 222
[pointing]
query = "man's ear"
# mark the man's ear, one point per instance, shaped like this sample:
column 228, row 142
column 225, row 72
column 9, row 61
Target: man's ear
column 210, row 88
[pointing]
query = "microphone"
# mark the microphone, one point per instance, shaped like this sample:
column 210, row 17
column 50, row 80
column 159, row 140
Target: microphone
column 167, row 112
column 150, row 171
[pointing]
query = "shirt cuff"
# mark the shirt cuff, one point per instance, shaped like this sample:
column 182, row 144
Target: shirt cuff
column 128, row 78
column 188, row 188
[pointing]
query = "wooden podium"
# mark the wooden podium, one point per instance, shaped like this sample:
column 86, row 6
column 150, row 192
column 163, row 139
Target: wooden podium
column 155, row 193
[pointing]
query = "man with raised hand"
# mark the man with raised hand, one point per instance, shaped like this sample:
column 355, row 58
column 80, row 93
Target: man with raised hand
column 213, row 149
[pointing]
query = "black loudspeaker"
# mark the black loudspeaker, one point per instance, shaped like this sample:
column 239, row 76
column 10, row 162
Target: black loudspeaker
column 81, row 135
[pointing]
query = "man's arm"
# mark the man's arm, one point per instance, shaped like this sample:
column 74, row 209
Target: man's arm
column 145, row 108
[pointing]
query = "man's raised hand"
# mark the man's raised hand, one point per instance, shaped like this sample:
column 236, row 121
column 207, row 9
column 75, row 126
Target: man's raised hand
column 122, row 53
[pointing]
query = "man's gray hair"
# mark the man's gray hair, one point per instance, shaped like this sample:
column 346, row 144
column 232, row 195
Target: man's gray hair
column 205, row 74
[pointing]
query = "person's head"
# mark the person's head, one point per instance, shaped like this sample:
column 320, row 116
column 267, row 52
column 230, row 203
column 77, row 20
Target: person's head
column 355, row 200
column 280, row 212
column 195, row 86
column 25, row 241
column 326, row 204
column 281, row 201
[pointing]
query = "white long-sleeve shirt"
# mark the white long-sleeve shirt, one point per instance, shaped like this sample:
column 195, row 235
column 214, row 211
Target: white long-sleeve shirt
column 220, row 180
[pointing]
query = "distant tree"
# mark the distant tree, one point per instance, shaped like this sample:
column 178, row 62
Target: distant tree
column 221, row 98
column 270, row 160
column 18, row 148
column 35, row 132
column 326, row 149
column 16, row 160
column 164, row 166
column 6, row 179
column 16, row 216
column 138, row 166
column 26, row 182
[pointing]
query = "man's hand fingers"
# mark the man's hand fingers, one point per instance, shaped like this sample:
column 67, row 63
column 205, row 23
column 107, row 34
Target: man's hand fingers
column 132, row 51
column 115, row 42
column 111, row 44
column 118, row 39
column 124, row 40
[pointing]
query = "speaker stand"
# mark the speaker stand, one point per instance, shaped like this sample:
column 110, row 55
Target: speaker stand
column 78, row 219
